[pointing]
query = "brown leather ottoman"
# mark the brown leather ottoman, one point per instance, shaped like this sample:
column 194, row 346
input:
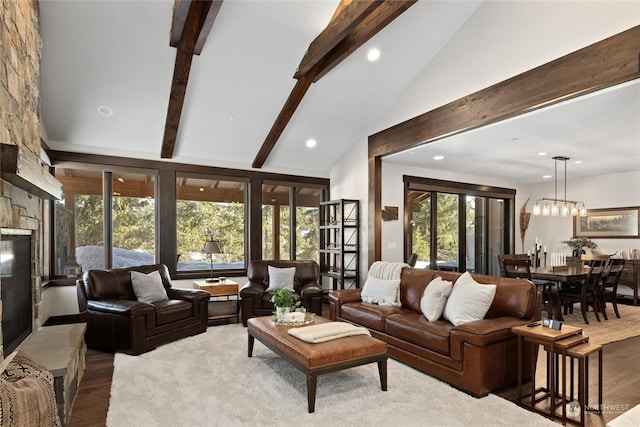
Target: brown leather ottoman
column 320, row 358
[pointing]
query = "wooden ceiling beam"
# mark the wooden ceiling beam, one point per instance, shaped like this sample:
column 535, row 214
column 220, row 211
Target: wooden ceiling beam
column 194, row 30
column 351, row 26
column 340, row 26
column 369, row 27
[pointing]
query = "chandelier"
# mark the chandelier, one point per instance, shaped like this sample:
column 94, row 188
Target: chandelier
column 559, row 207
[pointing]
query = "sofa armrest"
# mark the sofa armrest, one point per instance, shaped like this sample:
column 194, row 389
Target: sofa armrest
column 482, row 333
column 343, row 296
column 120, row 307
column 198, row 299
column 311, row 295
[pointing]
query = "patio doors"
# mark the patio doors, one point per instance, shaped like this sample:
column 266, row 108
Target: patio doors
column 457, row 227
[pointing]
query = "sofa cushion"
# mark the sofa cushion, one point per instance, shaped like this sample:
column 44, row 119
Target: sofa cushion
column 412, row 285
column 415, row 328
column 281, row 278
column 172, row 310
column 434, row 298
column 381, row 291
column 148, row 287
column 369, row 315
column 469, row 300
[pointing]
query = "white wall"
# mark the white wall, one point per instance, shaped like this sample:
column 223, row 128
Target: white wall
column 500, row 40
column 606, row 191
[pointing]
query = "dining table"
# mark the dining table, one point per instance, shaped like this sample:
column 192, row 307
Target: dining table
column 559, row 275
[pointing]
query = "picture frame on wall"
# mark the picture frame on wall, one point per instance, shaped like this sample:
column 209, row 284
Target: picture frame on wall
column 608, row 223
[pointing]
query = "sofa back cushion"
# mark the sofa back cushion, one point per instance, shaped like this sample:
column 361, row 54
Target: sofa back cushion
column 306, row 271
column 116, row 283
column 514, row 297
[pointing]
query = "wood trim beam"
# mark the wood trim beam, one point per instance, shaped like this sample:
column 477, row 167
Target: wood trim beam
column 340, row 26
column 290, row 106
column 369, row 27
column 603, row 64
column 193, row 27
column 180, row 13
column 349, row 29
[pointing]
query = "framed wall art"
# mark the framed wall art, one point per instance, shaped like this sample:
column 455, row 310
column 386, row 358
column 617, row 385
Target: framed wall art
column 608, row 223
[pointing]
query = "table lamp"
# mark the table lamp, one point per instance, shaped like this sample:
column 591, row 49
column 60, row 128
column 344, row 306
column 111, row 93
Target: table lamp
column 210, row 248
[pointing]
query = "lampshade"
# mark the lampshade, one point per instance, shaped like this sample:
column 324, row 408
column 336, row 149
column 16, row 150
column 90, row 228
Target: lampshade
column 212, row 247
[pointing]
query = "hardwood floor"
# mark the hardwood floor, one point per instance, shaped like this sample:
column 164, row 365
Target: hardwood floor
column 621, row 385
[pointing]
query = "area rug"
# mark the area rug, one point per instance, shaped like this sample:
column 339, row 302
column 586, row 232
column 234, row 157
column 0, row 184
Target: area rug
column 608, row 331
column 208, row 380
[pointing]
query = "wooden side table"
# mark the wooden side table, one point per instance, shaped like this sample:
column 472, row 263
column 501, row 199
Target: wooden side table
column 547, row 337
column 226, row 289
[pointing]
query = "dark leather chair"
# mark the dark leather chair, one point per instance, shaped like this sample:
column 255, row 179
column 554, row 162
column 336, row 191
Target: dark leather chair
column 256, row 301
column 117, row 321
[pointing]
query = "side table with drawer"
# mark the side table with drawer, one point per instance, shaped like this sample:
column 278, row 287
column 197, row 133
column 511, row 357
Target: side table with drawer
column 221, row 292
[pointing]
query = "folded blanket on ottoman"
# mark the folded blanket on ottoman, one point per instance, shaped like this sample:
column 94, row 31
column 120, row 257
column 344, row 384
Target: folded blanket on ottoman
column 327, row 331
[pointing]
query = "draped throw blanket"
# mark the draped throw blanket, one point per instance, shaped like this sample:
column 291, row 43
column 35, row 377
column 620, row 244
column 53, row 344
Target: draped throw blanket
column 27, row 398
column 327, row 331
column 387, row 270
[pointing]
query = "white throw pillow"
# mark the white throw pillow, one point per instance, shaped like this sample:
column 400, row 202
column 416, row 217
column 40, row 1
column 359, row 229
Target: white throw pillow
column 434, row 298
column 281, row 278
column 148, row 287
column 469, row 300
column 381, row 292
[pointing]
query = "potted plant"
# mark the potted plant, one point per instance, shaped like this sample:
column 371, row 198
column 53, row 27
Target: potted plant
column 284, row 302
column 578, row 244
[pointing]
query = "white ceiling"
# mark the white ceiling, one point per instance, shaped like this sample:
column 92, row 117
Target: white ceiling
column 117, row 53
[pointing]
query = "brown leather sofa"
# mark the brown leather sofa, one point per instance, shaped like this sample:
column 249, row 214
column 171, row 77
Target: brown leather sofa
column 256, row 301
column 476, row 357
column 117, row 321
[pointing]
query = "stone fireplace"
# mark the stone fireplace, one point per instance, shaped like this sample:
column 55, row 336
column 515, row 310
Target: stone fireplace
column 20, row 49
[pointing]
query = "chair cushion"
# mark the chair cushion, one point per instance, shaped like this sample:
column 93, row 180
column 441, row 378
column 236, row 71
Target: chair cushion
column 281, row 278
column 171, row 311
column 148, row 287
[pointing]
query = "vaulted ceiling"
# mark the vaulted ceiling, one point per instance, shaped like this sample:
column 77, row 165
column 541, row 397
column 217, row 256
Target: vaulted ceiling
column 108, row 71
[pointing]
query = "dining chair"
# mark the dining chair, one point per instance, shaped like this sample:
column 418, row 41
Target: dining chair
column 586, row 293
column 519, row 266
column 609, row 287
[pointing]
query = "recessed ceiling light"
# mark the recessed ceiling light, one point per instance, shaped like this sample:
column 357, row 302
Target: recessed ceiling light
column 120, row 179
column 577, row 162
column 542, row 153
column 373, row 54
column 311, row 143
column 201, row 188
column 232, row 117
column 438, row 157
column 546, row 176
column 105, row 110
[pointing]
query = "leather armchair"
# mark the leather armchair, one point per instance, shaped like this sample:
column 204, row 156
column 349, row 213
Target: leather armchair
column 256, row 301
column 117, row 321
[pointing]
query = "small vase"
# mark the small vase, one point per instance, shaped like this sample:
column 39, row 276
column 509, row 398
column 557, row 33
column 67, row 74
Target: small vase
column 280, row 312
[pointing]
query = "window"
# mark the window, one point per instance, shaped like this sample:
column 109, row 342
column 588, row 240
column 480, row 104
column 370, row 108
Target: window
column 284, row 237
column 132, row 211
column 456, row 226
column 80, row 218
column 210, row 209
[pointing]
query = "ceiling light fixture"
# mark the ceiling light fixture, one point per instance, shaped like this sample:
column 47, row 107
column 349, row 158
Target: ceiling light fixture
column 105, row 110
column 373, row 54
column 559, row 207
column 311, row 143
column 438, row 157
column 542, row 153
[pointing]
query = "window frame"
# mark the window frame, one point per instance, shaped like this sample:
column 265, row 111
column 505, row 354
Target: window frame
column 435, row 186
column 166, row 196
